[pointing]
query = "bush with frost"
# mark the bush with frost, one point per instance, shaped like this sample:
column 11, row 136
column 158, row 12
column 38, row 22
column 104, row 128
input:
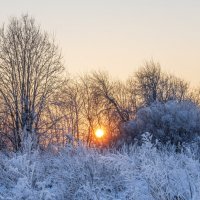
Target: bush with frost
column 140, row 173
column 169, row 123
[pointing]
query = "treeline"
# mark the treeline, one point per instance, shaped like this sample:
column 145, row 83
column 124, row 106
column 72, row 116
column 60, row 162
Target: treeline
column 42, row 105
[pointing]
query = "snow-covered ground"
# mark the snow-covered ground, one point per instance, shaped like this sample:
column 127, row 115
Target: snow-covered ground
column 140, row 173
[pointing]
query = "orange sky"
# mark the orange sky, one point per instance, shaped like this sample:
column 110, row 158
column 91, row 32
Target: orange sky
column 119, row 35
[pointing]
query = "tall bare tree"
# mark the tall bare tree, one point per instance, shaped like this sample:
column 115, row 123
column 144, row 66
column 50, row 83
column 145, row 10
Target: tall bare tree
column 30, row 64
column 148, row 78
column 107, row 89
column 154, row 85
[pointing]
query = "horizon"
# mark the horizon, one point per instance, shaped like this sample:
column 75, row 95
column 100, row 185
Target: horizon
column 100, row 100
column 118, row 37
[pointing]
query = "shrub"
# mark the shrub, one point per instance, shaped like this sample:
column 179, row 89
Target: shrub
column 169, row 123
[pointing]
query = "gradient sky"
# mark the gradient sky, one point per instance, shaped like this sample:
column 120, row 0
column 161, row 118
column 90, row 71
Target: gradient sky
column 119, row 35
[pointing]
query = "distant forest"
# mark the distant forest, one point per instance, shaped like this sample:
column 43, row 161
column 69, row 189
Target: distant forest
column 41, row 104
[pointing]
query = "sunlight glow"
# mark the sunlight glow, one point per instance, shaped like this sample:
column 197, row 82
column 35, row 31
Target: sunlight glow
column 99, row 133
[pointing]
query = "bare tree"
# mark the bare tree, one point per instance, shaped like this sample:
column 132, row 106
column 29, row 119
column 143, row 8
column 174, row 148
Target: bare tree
column 107, row 89
column 148, row 78
column 69, row 101
column 153, row 85
column 194, row 95
column 73, row 102
column 135, row 101
column 90, row 108
column 30, row 64
column 172, row 88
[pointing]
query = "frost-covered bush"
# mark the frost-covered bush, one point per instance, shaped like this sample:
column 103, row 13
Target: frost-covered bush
column 172, row 122
column 142, row 173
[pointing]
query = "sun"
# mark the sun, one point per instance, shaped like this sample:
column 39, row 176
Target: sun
column 99, row 133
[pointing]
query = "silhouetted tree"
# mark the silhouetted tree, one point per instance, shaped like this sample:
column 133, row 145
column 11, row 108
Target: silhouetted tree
column 29, row 67
column 107, row 89
column 153, row 85
column 148, row 78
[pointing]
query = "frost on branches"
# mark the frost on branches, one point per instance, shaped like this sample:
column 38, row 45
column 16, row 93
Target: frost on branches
column 141, row 173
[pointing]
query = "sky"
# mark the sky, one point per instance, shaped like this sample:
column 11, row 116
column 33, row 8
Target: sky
column 118, row 36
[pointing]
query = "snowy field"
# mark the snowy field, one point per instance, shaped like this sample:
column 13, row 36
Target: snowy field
column 141, row 173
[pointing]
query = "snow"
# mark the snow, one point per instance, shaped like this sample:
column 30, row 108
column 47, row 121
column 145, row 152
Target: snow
column 136, row 172
column 171, row 122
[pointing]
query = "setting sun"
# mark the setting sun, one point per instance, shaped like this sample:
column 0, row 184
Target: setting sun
column 99, row 133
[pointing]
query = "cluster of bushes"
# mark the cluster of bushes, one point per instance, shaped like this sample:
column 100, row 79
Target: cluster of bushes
column 140, row 173
column 173, row 122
